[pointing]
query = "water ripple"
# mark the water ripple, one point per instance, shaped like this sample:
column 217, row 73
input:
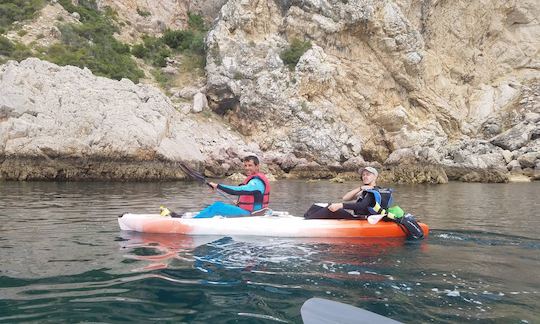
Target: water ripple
column 64, row 259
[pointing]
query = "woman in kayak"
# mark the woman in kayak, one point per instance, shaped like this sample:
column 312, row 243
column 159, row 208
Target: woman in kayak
column 253, row 192
column 364, row 200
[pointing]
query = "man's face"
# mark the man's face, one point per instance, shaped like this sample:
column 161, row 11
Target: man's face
column 250, row 168
column 368, row 177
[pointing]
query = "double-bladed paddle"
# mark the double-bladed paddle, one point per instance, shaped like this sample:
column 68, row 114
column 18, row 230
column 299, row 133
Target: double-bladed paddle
column 323, row 311
column 202, row 179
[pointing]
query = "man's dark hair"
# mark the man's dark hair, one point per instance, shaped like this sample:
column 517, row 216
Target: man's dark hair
column 251, row 158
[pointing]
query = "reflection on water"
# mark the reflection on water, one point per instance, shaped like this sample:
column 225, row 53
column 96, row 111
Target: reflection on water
column 64, row 259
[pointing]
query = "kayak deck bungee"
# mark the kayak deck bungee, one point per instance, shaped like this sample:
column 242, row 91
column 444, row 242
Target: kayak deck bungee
column 279, row 224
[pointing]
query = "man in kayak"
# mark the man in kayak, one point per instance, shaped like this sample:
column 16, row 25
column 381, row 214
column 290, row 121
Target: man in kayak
column 253, row 192
column 364, row 200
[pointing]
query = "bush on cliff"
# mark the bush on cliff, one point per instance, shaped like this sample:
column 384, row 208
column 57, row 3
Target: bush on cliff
column 294, row 52
column 91, row 44
column 196, row 23
column 152, row 50
column 12, row 50
column 189, row 42
column 16, row 10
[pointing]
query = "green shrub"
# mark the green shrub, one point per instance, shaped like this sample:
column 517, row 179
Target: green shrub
column 92, row 44
column 13, row 50
column 111, row 13
column 161, row 78
column 138, row 50
column 143, row 13
column 104, row 61
column 292, row 54
column 190, row 40
column 198, row 46
column 196, row 22
column 152, row 50
column 156, row 50
column 6, row 46
column 178, row 39
column 16, row 10
column 185, row 40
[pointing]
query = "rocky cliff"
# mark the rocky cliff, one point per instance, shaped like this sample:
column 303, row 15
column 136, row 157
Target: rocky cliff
column 428, row 90
column 437, row 83
column 65, row 123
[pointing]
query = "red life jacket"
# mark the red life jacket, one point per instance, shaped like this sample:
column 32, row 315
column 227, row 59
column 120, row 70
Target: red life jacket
column 247, row 202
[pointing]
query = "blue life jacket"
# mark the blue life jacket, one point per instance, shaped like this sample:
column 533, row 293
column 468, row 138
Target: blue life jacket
column 383, row 200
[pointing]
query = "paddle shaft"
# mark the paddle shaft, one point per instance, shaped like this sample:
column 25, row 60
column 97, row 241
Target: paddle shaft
column 199, row 177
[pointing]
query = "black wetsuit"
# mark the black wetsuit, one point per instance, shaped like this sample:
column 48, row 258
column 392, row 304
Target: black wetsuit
column 359, row 208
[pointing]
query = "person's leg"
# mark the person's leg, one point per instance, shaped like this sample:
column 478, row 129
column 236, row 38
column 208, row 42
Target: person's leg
column 317, row 212
column 222, row 209
column 231, row 210
column 209, row 211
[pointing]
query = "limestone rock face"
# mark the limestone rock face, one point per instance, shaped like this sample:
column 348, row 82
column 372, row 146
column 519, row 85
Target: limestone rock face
column 64, row 114
column 431, row 90
column 153, row 17
column 380, row 77
column 344, row 82
column 147, row 17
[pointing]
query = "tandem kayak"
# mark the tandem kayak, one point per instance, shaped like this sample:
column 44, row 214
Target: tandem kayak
column 278, row 224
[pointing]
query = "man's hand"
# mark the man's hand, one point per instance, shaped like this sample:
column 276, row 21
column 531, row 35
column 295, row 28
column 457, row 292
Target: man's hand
column 335, row 206
column 213, row 185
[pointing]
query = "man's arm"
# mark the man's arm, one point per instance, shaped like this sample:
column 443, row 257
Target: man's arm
column 362, row 205
column 352, row 194
column 253, row 187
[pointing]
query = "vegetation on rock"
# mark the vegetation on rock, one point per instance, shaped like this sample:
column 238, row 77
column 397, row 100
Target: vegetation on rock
column 12, row 50
column 91, row 43
column 292, row 54
column 190, row 42
column 17, row 10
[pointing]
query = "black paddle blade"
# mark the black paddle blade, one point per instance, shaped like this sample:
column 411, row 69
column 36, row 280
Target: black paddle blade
column 192, row 173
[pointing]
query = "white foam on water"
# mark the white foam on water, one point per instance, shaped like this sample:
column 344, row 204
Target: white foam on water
column 452, row 293
column 268, row 317
column 450, row 236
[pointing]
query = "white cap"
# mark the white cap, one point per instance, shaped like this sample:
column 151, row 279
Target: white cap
column 370, row 170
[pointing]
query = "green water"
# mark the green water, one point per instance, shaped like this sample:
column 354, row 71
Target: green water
column 64, row 260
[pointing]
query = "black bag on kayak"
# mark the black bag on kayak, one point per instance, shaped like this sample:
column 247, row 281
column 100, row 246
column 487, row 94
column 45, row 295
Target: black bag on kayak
column 411, row 227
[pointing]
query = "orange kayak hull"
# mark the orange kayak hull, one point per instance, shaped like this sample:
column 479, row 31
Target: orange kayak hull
column 274, row 226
